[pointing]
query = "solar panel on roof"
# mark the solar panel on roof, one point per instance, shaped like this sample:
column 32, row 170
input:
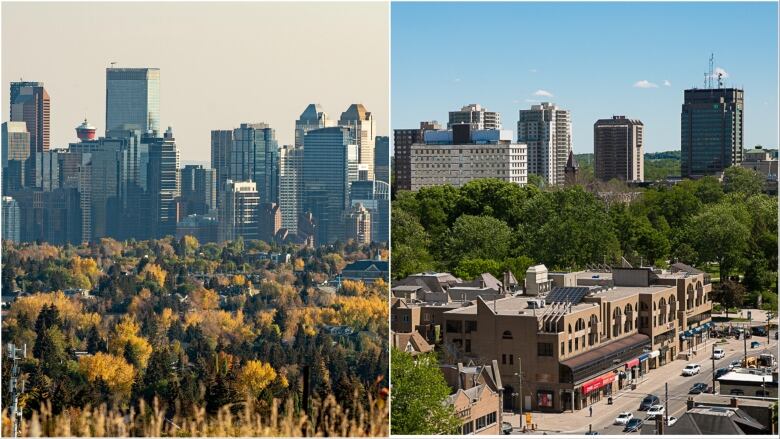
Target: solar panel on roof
column 571, row 295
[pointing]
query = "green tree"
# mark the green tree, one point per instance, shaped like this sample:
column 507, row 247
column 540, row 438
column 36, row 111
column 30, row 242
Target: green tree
column 743, row 181
column 471, row 268
column 418, row 396
column 720, row 234
column 518, row 266
column 730, row 294
column 478, row 237
column 410, row 245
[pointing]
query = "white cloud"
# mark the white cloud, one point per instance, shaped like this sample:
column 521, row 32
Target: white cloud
column 543, row 93
column 667, row 83
column 720, row 71
column 456, row 80
column 533, row 70
column 645, row 84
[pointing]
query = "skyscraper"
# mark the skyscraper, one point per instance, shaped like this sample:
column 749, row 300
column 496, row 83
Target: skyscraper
column 248, row 153
column 163, row 183
column 618, row 149
column 476, row 116
column 312, row 118
column 290, row 173
column 374, row 196
column 363, row 128
column 11, row 220
column 221, row 146
column 198, row 189
column 546, row 129
column 238, row 211
column 31, row 104
column 16, row 142
column 133, row 99
column 330, row 165
column 358, row 224
column 711, row 130
column 382, row 159
column 403, row 139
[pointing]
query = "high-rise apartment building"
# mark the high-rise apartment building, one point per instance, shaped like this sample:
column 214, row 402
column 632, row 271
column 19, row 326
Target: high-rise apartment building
column 476, row 116
column 374, row 196
column 330, row 165
column 133, row 99
column 238, row 211
column 460, row 155
column 11, row 220
column 363, row 128
column 382, row 159
column 31, row 104
column 618, row 149
column 711, row 136
column 198, row 189
column 546, row 129
column 358, row 224
column 312, row 118
column 163, row 183
column 16, row 142
column 290, row 173
column 403, row 139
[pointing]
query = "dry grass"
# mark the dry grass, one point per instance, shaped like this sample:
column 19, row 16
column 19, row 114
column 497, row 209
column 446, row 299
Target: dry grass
column 329, row 418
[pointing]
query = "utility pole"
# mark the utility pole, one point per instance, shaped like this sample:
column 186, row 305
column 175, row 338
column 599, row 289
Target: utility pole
column 16, row 413
column 713, row 368
column 520, row 387
column 665, row 417
column 744, row 343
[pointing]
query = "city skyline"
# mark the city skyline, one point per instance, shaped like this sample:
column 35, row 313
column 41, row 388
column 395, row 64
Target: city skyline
column 273, row 88
column 522, row 73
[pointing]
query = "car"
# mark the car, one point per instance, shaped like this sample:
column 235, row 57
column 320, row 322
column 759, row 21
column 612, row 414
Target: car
column 735, row 364
column 691, row 370
column 718, row 353
column 759, row 331
column 656, row 410
column 623, row 418
column 697, row 389
column 633, row 425
column 722, row 371
column 648, row 402
column 671, row 420
column 506, row 428
column 754, row 344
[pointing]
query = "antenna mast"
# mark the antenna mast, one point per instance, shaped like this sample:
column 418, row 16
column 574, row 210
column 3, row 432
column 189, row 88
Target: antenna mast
column 711, row 72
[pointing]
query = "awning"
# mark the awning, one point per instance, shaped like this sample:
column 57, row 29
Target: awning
column 644, row 357
column 655, row 354
column 632, row 363
column 598, row 382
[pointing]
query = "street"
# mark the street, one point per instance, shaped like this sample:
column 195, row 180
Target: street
column 653, row 383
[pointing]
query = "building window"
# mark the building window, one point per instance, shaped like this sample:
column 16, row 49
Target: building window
column 454, row 326
column 471, row 326
column 511, row 358
column 468, row 345
column 503, row 358
column 468, row 428
column 563, row 350
column 507, row 335
column 406, row 318
column 544, row 349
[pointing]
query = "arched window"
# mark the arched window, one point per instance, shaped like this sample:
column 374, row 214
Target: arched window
column 662, row 314
column 672, row 308
column 569, row 328
column 699, row 294
column 580, row 325
column 617, row 317
column 629, row 312
column 593, row 330
column 689, row 297
column 507, row 335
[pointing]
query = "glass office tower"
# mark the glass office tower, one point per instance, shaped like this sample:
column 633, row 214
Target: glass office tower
column 133, row 99
column 711, row 130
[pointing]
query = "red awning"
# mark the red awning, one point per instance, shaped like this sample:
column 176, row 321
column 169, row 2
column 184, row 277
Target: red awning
column 632, row 363
column 599, row 382
column 608, row 378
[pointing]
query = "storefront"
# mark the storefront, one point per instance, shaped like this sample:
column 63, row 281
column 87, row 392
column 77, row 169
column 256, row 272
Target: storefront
column 643, row 366
column 632, row 369
column 653, row 359
column 597, row 388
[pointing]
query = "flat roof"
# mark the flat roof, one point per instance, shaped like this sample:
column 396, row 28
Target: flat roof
column 747, row 377
column 516, row 305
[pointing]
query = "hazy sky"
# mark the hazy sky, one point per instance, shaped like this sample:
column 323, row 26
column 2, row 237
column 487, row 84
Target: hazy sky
column 595, row 59
column 221, row 64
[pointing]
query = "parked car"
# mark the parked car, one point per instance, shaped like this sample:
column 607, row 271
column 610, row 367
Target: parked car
column 759, row 331
column 633, row 425
column 735, row 364
column 722, row 371
column 648, row 402
column 754, row 344
column 691, row 370
column 697, row 389
column 671, row 420
column 656, row 410
column 623, row 418
column 718, row 353
column 506, row 428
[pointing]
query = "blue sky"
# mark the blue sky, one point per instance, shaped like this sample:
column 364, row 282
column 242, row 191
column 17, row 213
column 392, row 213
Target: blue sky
column 590, row 57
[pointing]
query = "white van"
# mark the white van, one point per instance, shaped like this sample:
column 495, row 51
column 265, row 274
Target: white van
column 718, row 353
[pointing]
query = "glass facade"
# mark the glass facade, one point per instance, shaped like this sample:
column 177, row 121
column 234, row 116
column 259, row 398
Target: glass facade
column 133, row 99
column 711, row 131
column 330, row 164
